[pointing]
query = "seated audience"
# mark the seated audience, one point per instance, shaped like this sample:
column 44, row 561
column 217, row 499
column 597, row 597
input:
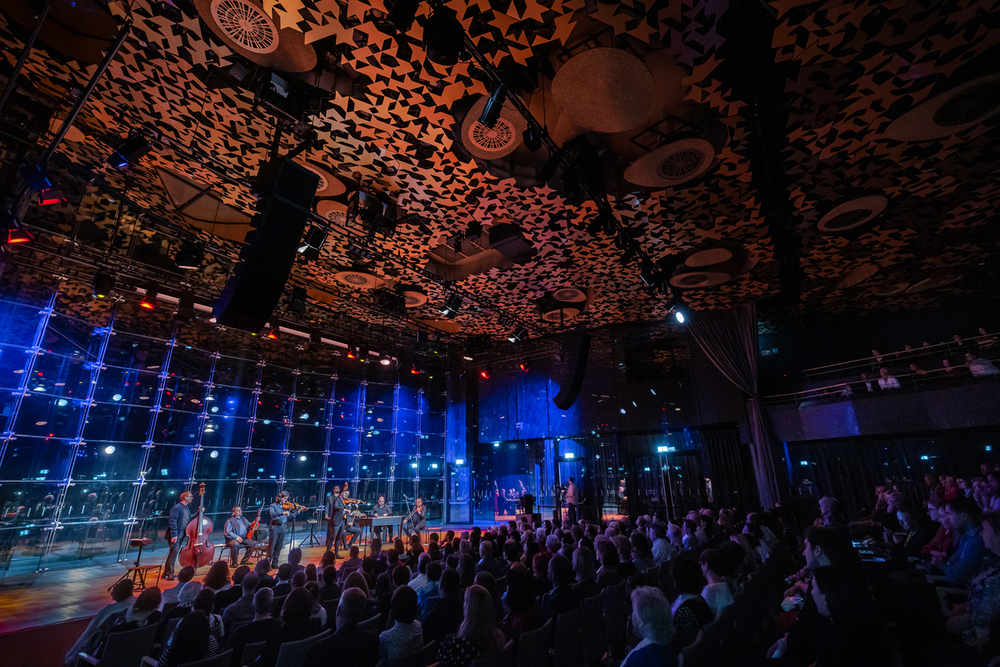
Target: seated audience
column 716, row 592
column 349, row 645
column 121, row 599
column 523, row 614
column 405, row 637
column 690, row 530
column 169, row 597
column 487, row 563
column 972, row 618
column 427, row 596
column 352, row 564
column 886, row 381
column 242, row 611
column 478, row 637
column 234, row 592
column 205, row 603
column 857, row 635
column 284, row 583
column 978, row 366
column 963, row 515
column 689, row 610
column 144, row 612
column 330, row 590
column 295, row 560
column 642, row 552
column 651, row 621
column 217, row 579
column 191, row 641
column 562, row 598
column 585, row 567
column 446, row 616
column 608, row 574
column 259, row 629
column 295, row 626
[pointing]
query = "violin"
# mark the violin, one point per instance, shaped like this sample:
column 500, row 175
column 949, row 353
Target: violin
column 199, row 550
column 290, row 506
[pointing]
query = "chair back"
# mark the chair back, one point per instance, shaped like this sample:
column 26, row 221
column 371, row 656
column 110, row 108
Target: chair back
column 592, row 641
column 422, row 658
column 277, row 604
column 371, row 625
column 500, row 584
column 567, row 651
column 615, row 618
column 168, row 628
column 533, row 647
column 291, row 654
column 331, row 610
column 251, row 652
column 129, row 647
column 221, row 660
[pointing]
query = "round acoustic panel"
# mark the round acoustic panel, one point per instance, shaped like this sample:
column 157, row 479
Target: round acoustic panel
column 605, row 90
column 73, row 134
column 329, row 185
column 492, row 143
column 852, row 214
column 699, row 279
column 858, row 274
column 560, row 315
column 708, row 257
column 932, row 282
column 413, row 296
column 569, row 295
column 891, row 288
column 958, row 109
column 334, row 211
column 357, row 279
column 247, row 28
column 672, row 164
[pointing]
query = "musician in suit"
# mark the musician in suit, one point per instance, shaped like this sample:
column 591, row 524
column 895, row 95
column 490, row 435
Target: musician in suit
column 180, row 516
column 276, row 535
column 349, row 527
column 380, row 510
column 418, row 518
column 335, row 508
column 236, row 530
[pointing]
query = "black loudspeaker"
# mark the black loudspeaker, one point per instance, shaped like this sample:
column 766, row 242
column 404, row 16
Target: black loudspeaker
column 527, row 504
column 286, row 191
column 578, row 351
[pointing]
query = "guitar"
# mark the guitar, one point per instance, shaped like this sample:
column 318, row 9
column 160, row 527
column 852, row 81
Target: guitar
column 252, row 530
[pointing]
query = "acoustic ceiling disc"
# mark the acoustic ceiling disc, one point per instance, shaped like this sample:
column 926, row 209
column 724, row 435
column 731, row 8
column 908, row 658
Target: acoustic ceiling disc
column 958, row 109
column 932, row 282
column 605, row 90
column 492, row 143
column 73, row 134
column 858, row 274
column 247, row 28
column 329, row 185
column 447, row 326
column 357, row 279
column 672, row 164
column 569, row 295
column 334, row 211
column 852, row 214
column 708, row 257
column 891, row 288
column 699, row 279
column 413, row 296
column 560, row 315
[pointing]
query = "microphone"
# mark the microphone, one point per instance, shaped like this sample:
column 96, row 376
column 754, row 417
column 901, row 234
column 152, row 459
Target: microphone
column 404, row 497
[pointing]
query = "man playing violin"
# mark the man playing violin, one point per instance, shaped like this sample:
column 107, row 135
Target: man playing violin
column 418, row 518
column 236, row 536
column 180, row 516
column 279, row 519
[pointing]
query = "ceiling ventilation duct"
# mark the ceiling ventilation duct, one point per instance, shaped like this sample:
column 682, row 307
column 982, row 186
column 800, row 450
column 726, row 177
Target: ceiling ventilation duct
column 501, row 246
column 708, row 266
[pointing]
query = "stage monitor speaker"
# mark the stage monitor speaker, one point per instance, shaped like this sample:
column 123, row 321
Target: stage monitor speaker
column 577, row 349
column 527, row 504
column 286, row 191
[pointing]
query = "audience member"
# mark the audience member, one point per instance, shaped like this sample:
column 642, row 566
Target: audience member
column 857, row 635
column 234, row 592
column 217, row 579
column 886, row 381
column 690, row 611
column 259, row 629
column 405, row 637
column 330, row 590
column 142, row 613
column 295, row 626
column 716, row 592
column 585, row 568
column 962, row 516
column 349, row 645
column 562, row 598
column 446, row 616
column 169, row 597
column 242, row 611
column 651, row 621
column 121, row 599
column 478, row 637
column 972, row 618
column 191, row 641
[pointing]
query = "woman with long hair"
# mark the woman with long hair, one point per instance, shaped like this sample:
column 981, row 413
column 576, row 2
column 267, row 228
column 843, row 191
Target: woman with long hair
column 218, row 577
column 477, row 636
column 295, row 614
column 190, row 642
column 466, row 570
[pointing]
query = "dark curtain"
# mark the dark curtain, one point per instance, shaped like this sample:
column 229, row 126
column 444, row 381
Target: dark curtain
column 729, row 340
column 730, row 468
column 850, row 469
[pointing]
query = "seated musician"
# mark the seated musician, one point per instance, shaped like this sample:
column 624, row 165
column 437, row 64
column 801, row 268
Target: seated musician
column 236, row 536
column 349, row 527
column 418, row 518
column 380, row 510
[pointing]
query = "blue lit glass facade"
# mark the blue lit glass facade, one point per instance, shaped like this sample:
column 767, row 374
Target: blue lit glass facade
column 109, row 412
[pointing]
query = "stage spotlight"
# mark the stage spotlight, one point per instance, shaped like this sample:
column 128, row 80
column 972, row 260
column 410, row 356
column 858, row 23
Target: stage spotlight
column 452, row 305
column 648, row 275
column 532, row 137
column 273, row 333
column 104, row 283
column 189, row 256
column 50, row 196
column 486, row 373
column 129, row 152
column 312, row 243
column 679, row 316
column 385, row 359
column 525, row 365
column 518, row 334
column 363, row 353
column 149, row 301
column 352, row 352
column 297, row 304
column 414, row 370
column 402, row 14
column 444, row 37
column 185, row 307
column 676, row 306
column 11, row 231
column 494, row 105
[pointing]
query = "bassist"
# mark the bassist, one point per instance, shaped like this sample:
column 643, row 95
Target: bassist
column 180, row 515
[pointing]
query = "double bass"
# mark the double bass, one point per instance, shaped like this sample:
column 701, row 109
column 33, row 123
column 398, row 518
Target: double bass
column 199, row 550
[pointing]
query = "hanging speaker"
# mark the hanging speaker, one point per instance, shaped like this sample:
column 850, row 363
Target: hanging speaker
column 286, row 191
column 578, row 350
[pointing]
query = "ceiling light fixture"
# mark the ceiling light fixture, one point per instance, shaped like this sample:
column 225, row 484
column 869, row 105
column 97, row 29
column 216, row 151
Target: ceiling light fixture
column 149, row 301
column 297, row 302
column 494, row 105
column 104, row 283
column 525, row 365
column 444, row 37
column 50, row 196
column 185, row 308
column 312, row 243
column 11, row 231
column 486, row 373
column 452, row 305
column 385, row 359
column 129, row 152
column 189, row 256
column 518, row 334
column 352, row 352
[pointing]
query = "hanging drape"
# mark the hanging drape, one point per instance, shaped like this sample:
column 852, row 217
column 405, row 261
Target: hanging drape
column 729, row 339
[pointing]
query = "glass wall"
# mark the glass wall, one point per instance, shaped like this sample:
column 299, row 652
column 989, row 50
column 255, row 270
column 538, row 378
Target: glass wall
column 109, row 412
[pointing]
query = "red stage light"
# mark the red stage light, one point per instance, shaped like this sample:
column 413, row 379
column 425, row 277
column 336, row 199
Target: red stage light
column 148, row 304
column 272, row 334
column 50, row 196
column 19, row 236
column 414, row 371
column 485, row 373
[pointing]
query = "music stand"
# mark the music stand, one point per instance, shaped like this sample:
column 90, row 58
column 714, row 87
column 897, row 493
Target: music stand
column 137, row 572
column 311, row 538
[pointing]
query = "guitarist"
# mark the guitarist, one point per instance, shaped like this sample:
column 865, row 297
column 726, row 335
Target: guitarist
column 180, row 516
column 237, row 535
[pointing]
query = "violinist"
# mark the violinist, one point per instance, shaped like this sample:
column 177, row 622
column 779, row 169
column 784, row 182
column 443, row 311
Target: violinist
column 418, row 517
column 236, row 536
column 335, row 517
column 349, row 527
column 180, row 516
column 279, row 518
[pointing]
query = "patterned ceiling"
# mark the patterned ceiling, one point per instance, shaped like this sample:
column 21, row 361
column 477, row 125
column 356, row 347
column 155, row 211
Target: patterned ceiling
column 847, row 71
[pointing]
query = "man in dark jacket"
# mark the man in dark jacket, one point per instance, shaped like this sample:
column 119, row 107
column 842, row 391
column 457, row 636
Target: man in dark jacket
column 257, row 630
column 335, row 516
column 562, row 598
column 180, row 516
column 349, row 645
